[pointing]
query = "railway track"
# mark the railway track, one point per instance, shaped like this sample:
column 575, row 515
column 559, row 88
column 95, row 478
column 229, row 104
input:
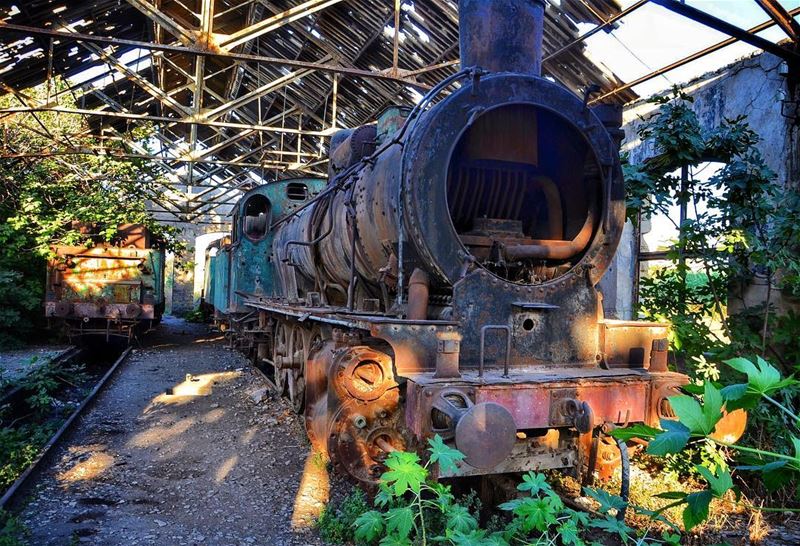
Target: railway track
column 106, row 367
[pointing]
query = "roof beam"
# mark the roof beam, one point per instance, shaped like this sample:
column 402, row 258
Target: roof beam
column 184, row 35
column 686, row 60
column 782, row 18
column 276, row 21
column 731, row 30
column 258, row 59
column 164, row 119
column 134, row 76
column 221, row 110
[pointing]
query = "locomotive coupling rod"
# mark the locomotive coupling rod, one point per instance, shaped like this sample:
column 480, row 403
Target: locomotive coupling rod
column 507, row 330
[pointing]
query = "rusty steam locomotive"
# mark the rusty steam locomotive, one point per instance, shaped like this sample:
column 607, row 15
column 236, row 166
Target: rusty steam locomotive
column 443, row 280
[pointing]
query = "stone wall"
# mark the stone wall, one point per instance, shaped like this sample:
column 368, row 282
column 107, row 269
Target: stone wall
column 753, row 87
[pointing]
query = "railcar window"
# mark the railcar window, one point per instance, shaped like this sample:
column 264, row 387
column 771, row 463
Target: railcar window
column 256, row 219
column 297, row 191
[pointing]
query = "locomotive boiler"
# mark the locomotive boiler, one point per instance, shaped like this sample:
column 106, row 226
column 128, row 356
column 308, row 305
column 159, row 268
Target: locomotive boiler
column 444, row 280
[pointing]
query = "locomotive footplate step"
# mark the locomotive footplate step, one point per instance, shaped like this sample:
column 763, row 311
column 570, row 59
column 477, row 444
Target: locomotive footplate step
column 187, row 445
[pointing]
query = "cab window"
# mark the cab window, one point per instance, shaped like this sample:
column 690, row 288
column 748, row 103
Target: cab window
column 256, row 219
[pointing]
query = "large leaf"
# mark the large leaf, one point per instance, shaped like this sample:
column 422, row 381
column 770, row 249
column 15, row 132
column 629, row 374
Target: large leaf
column 400, row 521
column 734, row 392
column 369, row 526
column 606, row 500
column 460, row 520
column 569, row 534
column 712, row 407
column 384, row 495
column 613, row 525
column 534, row 483
column 671, row 440
column 696, row 510
column 719, row 483
column 446, row 456
column 639, row 430
column 699, row 419
column 536, row 514
column 762, row 377
column 688, row 411
column 404, row 472
column 394, row 540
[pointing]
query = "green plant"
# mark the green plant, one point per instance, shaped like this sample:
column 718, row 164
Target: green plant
column 45, row 194
column 18, row 449
column 19, row 297
column 12, row 532
column 412, row 508
column 43, row 381
column 696, row 423
column 337, row 525
column 196, row 315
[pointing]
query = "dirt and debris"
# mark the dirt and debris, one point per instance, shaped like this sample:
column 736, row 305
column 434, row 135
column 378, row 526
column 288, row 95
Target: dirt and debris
column 184, row 447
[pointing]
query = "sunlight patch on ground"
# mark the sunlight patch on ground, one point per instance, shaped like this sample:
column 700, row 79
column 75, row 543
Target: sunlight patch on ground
column 209, row 339
column 160, row 435
column 88, row 468
column 313, row 493
column 191, row 387
column 225, row 468
column 248, row 436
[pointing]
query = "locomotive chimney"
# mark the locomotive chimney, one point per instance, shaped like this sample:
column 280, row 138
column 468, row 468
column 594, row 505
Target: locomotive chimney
column 501, row 35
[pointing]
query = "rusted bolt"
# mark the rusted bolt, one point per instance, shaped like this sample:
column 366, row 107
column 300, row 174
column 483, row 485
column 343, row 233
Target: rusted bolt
column 359, row 421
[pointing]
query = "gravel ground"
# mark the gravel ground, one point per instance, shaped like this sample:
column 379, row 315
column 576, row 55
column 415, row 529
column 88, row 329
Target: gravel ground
column 184, row 447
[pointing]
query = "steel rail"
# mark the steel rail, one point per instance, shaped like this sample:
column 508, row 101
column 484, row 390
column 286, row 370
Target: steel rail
column 13, row 492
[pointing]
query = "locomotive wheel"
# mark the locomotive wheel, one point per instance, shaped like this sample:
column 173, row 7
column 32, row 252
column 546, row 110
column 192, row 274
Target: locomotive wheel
column 281, row 352
column 295, row 379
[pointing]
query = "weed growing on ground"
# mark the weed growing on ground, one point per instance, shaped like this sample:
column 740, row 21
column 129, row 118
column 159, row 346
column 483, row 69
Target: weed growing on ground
column 697, row 420
column 337, row 525
column 22, row 437
column 413, row 508
column 19, row 447
column 12, row 532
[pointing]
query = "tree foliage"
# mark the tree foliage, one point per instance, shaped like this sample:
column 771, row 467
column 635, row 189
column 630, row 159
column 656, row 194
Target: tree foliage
column 744, row 228
column 54, row 175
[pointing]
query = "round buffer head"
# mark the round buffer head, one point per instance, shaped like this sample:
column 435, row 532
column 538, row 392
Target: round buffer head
column 485, row 435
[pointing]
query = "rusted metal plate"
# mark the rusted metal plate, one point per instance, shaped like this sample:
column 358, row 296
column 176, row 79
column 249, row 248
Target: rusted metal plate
column 629, row 343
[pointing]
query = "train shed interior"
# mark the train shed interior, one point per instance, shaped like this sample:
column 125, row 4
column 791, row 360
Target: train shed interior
column 198, row 103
